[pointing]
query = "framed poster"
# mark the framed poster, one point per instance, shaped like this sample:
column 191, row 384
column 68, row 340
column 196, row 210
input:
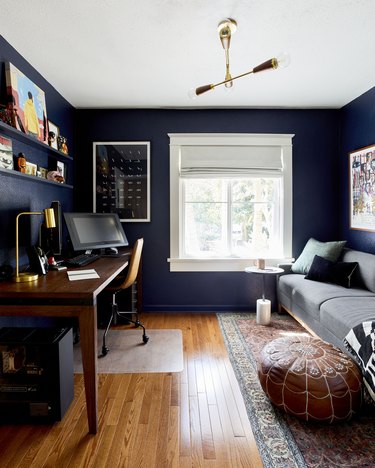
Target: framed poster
column 6, row 152
column 53, row 134
column 122, row 179
column 362, row 188
column 29, row 101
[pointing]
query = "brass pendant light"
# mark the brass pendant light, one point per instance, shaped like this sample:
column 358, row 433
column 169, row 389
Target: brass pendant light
column 226, row 28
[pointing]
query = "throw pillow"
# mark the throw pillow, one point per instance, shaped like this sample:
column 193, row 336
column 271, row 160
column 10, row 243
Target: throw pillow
column 325, row 271
column 328, row 250
column 342, row 273
column 319, row 270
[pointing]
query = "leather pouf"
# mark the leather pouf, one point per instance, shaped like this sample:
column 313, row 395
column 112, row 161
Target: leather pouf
column 310, row 379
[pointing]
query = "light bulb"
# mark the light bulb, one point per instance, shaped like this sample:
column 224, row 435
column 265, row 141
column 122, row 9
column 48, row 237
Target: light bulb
column 228, row 84
column 283, row 60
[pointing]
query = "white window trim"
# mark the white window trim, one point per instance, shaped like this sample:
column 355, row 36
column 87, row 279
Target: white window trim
column 178, row 140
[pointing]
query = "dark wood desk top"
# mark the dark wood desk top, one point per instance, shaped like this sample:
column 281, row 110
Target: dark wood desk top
column 56, row 285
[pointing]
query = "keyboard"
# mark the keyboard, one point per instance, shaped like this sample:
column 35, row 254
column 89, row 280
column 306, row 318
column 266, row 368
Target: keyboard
column 81, row 260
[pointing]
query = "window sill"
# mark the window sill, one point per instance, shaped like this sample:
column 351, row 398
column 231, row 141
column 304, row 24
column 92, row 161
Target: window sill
column 218, row 264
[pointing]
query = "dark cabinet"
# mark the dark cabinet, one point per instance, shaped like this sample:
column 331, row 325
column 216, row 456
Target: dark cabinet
column 36, row 373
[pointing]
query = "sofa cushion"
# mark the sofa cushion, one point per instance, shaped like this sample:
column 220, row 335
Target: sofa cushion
column 310, row 295
column 329, row 250
column 340, row 315
column 325, row 271
column 365, row 274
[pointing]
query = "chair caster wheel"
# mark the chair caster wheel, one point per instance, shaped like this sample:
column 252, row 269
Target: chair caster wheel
column 145, row 339
column 104, row 351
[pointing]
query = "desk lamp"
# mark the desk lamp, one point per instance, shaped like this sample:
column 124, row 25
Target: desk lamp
column 49, row 217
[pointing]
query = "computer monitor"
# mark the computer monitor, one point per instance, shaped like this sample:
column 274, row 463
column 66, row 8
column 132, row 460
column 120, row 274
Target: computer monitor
column 89, row 231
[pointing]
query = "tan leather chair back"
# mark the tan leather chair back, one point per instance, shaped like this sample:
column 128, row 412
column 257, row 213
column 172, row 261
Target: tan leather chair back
column 134, row 264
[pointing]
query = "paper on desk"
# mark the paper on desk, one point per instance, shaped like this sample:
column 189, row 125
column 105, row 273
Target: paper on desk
column 82, row 275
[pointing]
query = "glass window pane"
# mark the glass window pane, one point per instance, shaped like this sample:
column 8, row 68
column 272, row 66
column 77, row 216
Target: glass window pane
column 205, row 190
column 256, row 229
column 205, row 217
column 251, row 217
column 253, row 189
column 205, row 229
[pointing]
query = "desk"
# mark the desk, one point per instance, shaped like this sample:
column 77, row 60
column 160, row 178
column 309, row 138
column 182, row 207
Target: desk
column 53, row 295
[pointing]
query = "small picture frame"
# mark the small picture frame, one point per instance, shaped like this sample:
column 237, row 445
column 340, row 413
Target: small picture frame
column 43, row 172
column 31, row 168
column 6, row 153
column 53, row 134
column 62, row 144
column 61, row 169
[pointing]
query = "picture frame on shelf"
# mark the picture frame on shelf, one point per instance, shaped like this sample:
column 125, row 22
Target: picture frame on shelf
column 31, row 168
column 62, row 144
column 28, row 102
column 43, row 172
column 53, row 134
column 56, row 171
column 362, row 189
column 61, row 169
column 6, row 152
column 122, row 179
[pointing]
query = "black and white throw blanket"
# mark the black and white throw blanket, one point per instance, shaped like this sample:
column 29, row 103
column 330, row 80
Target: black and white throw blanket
column 360, row 341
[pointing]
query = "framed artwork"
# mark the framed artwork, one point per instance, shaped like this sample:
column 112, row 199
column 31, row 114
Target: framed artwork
column 31, row 168
column 362, row 188
column 61, row 169
column 121, row 179
column 53, row 134
column 6, row 153
column 43, row 172
column 28, row 100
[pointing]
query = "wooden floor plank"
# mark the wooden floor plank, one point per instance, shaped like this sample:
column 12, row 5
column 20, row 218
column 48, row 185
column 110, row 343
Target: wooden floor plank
column 194, row 418
column 184, row 445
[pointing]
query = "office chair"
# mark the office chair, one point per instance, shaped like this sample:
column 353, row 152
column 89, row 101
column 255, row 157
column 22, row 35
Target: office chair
column 120, row 284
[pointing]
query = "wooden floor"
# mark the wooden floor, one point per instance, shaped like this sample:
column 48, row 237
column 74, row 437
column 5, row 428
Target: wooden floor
column 195, row 418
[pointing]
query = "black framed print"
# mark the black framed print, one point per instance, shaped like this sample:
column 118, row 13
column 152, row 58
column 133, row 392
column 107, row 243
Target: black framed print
column 122, row 179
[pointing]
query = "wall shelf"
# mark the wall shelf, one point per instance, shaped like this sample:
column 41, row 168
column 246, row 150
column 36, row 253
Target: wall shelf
column 31, row 178
column 12, row 132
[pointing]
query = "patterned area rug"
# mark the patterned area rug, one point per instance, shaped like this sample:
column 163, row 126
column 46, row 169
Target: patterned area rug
column 285, row 441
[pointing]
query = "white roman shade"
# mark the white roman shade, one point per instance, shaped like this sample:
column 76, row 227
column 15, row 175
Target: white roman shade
column 230, row 161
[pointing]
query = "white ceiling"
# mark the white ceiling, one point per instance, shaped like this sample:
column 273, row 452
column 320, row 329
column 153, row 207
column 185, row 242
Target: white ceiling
column 148, row 53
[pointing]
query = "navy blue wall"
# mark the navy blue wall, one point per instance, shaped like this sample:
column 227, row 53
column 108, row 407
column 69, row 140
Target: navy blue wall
column 315, row 189
column 357, row 131
column 18, row 195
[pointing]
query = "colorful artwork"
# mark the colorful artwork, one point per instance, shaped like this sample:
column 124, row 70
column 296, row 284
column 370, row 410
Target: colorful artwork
column 6, row 153
column 29, row 101
column 362, row 188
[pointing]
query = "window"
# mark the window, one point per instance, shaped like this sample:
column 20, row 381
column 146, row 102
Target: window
column 230, row 200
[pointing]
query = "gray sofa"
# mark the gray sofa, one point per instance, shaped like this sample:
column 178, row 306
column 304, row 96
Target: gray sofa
column 330, row 310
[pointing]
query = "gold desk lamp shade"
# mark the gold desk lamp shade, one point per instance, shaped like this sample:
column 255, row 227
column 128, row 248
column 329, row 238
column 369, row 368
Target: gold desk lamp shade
column 49, row 217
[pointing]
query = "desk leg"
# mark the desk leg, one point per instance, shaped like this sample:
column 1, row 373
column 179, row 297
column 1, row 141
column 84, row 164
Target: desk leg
column 88, row 334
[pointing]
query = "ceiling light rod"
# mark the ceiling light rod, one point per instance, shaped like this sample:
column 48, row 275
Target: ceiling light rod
column 226, row 28
column 270, row 64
